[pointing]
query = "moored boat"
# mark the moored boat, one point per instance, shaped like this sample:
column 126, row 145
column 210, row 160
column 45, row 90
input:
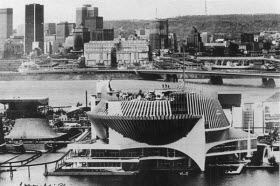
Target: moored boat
column 268, row 67
column 233, row 66
column 235, row 172
column 27, row 66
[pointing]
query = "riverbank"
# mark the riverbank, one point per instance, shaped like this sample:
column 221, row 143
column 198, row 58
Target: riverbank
column 56, row 77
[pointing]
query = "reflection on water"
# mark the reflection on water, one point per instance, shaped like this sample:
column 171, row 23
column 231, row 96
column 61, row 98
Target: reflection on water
column 249, row 177
column 70, row 92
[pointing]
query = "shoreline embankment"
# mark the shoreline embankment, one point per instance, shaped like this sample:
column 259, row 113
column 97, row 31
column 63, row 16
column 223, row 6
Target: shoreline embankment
column 65, row 77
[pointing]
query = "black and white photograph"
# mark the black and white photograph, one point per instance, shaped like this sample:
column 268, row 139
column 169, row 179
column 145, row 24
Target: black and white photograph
column 139, row 92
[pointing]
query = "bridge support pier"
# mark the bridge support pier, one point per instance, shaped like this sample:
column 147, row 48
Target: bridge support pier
column 216, row 80
column 268, row 82
column 167, row 78
column 174, row 78
column 171, row 78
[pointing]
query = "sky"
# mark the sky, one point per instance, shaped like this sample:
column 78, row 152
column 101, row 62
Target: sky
column 65, row 10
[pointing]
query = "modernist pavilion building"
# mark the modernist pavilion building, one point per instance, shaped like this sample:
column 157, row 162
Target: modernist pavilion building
column 170, row 130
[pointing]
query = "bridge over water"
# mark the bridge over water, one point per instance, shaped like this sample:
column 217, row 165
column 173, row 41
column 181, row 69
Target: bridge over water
column 237, row 58
column 215, row 76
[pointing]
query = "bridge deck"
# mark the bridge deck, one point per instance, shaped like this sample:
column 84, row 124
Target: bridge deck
column 245, row 74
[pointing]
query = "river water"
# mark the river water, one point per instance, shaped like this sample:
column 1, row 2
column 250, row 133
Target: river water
column 66, row 93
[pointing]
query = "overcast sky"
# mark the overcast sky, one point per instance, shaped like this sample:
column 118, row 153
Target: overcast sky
column 64, row 10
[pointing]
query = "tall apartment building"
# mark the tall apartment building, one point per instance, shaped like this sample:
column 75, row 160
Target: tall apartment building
column 6, row 23
column 34, row 27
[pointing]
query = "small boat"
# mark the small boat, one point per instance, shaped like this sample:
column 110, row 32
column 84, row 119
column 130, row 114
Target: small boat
column 268, row 67
column 184, row 173
column 122, row 67
column 233, row 66
column 116, row 170
column 70, row 66
column 235, row 172
column 27, row 66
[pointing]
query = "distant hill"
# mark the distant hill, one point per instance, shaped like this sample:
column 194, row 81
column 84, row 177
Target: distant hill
column 231, row 25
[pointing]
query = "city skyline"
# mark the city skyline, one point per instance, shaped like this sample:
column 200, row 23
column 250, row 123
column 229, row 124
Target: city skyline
column 136, row 9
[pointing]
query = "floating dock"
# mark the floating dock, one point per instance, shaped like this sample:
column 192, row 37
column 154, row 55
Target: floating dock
column 128, row 173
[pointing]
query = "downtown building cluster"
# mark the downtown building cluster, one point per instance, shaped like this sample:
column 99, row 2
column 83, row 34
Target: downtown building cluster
column 215, row 44
column 88, row 36
column 50, row 38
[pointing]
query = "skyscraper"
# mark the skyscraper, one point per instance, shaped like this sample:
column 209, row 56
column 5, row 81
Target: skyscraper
column 81, row 35
column 194, row 43
column 49, row 28
column 20, row 30
column 88, row 16
column 34, row 27
column 81, row 14
column 205, row 37
column 6, row 23
column 159, row 34
column 63, row 30
column 247, row 37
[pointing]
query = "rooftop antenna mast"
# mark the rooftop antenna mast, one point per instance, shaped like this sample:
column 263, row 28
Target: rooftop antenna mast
column 156, row 13
column 205, row 2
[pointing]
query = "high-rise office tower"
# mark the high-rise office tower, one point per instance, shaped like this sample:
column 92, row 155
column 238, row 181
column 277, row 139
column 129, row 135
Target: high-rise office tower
column 81, row 14
column 81, row 35
column 194, row 43
column 159, row 34
column 63, row 30
column 247, row 37
column 88, row 16
column 6, row 23
column 85, row 12
column 49, row 28
column 205, row 37
column 34, row 27
column 20, row 30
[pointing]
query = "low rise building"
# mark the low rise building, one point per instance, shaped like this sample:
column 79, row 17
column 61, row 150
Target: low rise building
column 99, row 53
column 143, row 34
column 11, row 49
column 215, row 49
column 2, row 49
column 132, row 52
column 263, row 117
column 17, row 39
column 50, row 44
column 69, row 41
